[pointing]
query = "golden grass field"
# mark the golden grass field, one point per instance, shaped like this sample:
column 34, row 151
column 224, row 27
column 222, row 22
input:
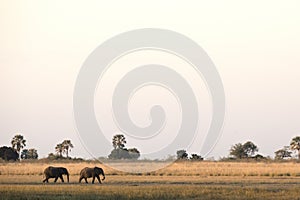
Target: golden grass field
column 181, row 180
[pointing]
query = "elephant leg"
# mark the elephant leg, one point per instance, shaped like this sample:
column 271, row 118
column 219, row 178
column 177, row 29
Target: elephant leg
column 98, row 179
column 93, row 181
column 86, row 180
column 61, row 178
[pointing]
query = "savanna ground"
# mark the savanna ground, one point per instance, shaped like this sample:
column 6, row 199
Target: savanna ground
column 181, row 180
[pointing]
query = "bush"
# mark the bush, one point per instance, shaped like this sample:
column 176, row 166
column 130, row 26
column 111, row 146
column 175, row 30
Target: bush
column 8, row 154
column 196, row 157
column 124, row 154
column 29, row 154
column 182, row 155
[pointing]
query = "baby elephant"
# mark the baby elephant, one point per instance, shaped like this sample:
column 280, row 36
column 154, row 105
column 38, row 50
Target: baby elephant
column 55, row 172
column 91, row 172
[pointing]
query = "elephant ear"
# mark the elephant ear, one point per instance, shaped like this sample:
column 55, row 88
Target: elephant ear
column 97, row 169
column 64, row 171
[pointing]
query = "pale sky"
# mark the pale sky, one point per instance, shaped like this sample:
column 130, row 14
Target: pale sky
column 254, row 45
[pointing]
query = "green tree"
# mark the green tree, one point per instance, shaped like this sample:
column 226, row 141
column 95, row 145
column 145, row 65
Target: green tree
column 59, row 149
column 283, row 153
column 134, row 153
column 119, row 141
column 196, row 157
column 295, row 145
column 18, row 142
column 67, row 146
column 52, row 156
column 29, row 154
column 250, row 148
column 24, row 154
column 237, row 151
column 119, row 154
column 8, row 153
column 181, row 154
column 246, row 150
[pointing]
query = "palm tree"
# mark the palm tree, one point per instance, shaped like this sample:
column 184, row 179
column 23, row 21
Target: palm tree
column 59, row 149
column 18, row 142
column 67, row 145
column 295, row 145
column 119, row 141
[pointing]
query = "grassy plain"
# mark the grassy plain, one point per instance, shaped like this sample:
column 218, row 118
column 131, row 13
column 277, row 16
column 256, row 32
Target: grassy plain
column 181, row 180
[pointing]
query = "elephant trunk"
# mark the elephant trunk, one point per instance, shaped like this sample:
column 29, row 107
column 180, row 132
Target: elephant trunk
column 103, row 177
column 68, row 177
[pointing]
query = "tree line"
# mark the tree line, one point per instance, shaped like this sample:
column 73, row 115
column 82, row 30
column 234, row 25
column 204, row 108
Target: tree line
column 18, row 151
column 249, row 149
column 14, row 152
column 238, row 151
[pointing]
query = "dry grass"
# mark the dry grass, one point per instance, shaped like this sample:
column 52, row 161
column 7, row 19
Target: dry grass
column 38, row 168
column 183, row 180
column 232, row 169
column 175, row 169
column 157, row 187
column 147, row 192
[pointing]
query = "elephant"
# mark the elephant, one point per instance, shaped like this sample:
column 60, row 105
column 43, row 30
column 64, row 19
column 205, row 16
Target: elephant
column 55, row 172
column 91, row 172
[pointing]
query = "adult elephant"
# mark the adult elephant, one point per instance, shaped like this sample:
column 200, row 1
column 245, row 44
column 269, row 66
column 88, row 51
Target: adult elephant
column 91, row 173
column 55, row 172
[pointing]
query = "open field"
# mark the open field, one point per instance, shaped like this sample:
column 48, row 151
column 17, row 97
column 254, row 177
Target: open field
column 183, row 180
column 204, row 168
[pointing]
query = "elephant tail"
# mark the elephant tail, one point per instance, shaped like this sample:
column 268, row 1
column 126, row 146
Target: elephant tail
column 68, row 177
